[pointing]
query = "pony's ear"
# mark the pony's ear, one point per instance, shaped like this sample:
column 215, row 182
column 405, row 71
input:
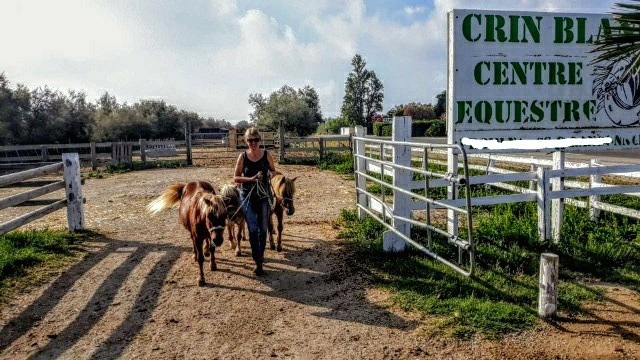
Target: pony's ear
column 294, row 179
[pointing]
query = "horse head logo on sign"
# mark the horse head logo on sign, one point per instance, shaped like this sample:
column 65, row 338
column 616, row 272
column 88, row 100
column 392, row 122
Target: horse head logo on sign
column 617, row 88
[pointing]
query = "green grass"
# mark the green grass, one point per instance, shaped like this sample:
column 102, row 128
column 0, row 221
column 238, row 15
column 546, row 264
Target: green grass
column 502, row 296
column 134, row 166
column 339, row 162
column 23, row 251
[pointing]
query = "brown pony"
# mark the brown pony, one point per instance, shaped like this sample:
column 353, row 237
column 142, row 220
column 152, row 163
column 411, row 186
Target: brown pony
column 235, row 216
column 201, row 212
column 284, row 190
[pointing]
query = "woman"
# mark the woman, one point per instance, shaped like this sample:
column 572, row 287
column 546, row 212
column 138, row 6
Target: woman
column 252, row 172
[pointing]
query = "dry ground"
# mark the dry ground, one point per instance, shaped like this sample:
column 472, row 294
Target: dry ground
column 134, row 293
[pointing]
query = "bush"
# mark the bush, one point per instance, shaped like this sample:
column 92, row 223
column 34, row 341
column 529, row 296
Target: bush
column 382, row 129
column 432, row 127
column 437, row 128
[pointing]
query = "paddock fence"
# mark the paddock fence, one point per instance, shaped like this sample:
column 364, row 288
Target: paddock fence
column 550, row 183
column 71, row 182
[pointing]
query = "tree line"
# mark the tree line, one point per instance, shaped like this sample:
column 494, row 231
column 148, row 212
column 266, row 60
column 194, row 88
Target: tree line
column 44, row 116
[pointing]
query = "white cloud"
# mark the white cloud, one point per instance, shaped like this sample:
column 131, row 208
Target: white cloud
column 413, row 10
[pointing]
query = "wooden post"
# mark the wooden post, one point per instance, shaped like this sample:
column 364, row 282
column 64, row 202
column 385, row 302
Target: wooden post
column 94, row 158
column 187, row 141
column 360, row 165
column 544, row 208
column 532, row 182
column 44, row 153
column 401, row 131
column 548, row 298
column 594, row 181
column 73, row 189
column 143, row 150
column 557, row 205
column 321, row 146
column 281, row 139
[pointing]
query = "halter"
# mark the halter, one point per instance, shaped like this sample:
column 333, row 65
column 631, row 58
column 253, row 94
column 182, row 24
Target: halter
column 214, row 228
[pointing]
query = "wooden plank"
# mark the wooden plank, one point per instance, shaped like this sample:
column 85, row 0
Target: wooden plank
column 27, row 218
column 616, row 209
column 595, row 191
column 31, row 194
column 28, row 174
column 604, row 170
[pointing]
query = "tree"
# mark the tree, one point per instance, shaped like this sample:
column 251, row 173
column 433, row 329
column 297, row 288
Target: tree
column 419, row 111
column 622, row 41
column 299, row 111
column 441, row 104
column 363, row 94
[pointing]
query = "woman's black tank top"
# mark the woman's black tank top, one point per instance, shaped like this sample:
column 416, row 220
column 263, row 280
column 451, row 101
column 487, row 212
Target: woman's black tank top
column 251, row 168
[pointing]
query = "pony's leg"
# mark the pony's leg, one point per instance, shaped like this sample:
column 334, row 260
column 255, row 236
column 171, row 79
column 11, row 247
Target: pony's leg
column 200, row 258
column 239, row 236
column 212, row 259
column 195, row 248
column 279, row 215
column 271, row 243
column 230, row 227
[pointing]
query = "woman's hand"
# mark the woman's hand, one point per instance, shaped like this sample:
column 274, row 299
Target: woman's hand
column 257, row 177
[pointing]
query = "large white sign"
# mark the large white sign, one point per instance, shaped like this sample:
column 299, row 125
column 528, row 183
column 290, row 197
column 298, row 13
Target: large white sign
column 528, row 75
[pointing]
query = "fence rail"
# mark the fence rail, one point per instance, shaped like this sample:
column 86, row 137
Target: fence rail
column 73, row 200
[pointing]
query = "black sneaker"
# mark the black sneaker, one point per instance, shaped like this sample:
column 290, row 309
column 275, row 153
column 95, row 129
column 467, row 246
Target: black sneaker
column 258, row 270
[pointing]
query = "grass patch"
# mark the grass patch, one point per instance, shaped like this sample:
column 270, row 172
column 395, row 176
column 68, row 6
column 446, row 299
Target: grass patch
column 502, row 297
column 134, row 166
column 22, row 253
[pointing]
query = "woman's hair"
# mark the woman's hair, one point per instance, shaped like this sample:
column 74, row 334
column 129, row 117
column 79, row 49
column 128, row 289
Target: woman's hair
column 252, row 131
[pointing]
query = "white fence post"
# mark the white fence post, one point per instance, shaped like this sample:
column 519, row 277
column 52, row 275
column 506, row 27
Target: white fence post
column 401, row 131
column 594, row 181
column 361, row 166
column 544, row 208
column 557, row 205
column 73, row 189
column 548, row 293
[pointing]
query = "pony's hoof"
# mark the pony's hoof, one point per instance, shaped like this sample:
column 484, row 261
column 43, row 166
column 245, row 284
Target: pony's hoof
column 201, row 282
column 238, row 253
column 213, row 267
column 279, row 248
column 273, row 246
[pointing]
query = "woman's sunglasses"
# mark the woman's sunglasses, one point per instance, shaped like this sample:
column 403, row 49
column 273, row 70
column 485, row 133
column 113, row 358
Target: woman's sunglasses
column 254, row 140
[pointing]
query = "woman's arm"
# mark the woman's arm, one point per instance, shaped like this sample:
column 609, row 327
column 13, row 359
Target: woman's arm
column 271, row 164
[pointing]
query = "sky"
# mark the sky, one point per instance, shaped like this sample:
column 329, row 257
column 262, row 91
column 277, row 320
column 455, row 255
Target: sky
column 208, row 56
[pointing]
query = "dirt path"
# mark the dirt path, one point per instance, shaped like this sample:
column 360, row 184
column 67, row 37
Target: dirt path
column 134, row 294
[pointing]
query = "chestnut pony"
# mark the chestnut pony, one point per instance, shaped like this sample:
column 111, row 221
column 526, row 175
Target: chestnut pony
column 284, row 189
column 201, row 212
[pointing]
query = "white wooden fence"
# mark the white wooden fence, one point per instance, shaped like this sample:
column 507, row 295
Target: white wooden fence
column 546, row 177
column 73, row 199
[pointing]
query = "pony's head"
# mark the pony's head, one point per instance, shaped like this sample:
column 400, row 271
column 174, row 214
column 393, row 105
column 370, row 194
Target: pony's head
column 212, row 207
column 285, row 190
column 231, row 199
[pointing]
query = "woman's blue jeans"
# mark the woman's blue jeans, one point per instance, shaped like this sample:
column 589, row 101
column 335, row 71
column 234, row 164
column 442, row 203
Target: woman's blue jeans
column 256, row 213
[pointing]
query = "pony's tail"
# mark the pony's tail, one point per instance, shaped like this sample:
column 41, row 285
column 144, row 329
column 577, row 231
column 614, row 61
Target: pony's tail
column 168, row 199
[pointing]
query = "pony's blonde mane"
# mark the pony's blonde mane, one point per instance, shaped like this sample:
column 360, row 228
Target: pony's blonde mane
column 209, row 202
column 231, row 193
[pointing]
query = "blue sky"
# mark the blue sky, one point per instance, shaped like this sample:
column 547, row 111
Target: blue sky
column 207, row 56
